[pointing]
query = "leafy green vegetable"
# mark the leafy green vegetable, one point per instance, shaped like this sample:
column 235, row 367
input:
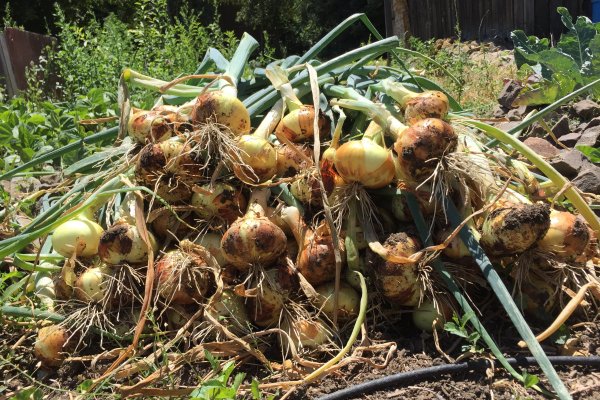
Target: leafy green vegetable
column 572, row 63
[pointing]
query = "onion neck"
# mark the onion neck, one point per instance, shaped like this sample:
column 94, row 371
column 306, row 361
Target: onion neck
column 257, row 204
column 280, row 82
column 138, row 79
column 291, row 216
column 270, row 121
column 236, row 66
column 395, row 90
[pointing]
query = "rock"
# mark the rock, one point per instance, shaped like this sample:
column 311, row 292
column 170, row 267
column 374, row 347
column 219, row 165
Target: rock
column 586, row 109
column 570, row 139
column 499, row 111
column 569, row 162
column 537, row 130
column 542, row 147
column 588, row 180
column 590, row 137
column 516, row 114
column 509, row 93
column 586, row 125
column 561, row 127
column 506, row 126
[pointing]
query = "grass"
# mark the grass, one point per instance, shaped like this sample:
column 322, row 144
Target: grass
column 480, row 68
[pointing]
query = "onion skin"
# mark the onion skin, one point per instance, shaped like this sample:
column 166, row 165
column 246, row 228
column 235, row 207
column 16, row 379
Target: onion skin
column 305, row 333
column 308, row 190
column 212, row 242
column 366, row 162
column 231, row 311
column 122, row 242
column 289, row 162
column 298, row 124
column 174, row 279
column 456, row 249
column 164, row 223
column 317, row 257
column 222, row 108
column 537, row 297
column 258, row 159
column 253, row 239
column 150, row 126
column 221, row 200
column 265, row 308
column 428, row 104
column 52, row 345
column 567, row 238
column 513, row 228
column 80, row 236
column 420, row 147
column 426, row 313
column 92, row 284
column 399, row 283
column 348, row 303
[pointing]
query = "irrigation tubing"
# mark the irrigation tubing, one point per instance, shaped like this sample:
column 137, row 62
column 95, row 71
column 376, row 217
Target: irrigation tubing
column 401, row 378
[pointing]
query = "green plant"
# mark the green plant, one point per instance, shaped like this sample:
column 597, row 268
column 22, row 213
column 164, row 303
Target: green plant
column 220, row 386
column 458, row 327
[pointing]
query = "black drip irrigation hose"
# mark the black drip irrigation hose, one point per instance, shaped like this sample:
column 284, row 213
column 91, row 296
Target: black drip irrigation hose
column 391, row 381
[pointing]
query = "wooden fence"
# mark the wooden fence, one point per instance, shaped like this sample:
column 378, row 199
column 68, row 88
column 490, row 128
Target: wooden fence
column 486, row 19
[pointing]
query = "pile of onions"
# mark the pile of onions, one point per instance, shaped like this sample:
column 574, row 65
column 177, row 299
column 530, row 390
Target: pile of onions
column 123, row 242
column 399, row 282
column 512, row 228
column 79, row 236
column 253, row 239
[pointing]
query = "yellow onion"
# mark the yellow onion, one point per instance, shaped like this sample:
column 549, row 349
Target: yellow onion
column 167, row 169
column 93, row 284
column 258, row 159
column 230, row 310
column 123, row 242
column 265, row 307
column 223, row 108
column 80, row 236
column 512, row 228
column 220, row 200
column 456, row 249
column 428, row 104
column 366, row 162
column 421, row 146
column 427, row 205
column 182, row 277
column 298, row 124
column 150, row 126
column 567, row 237
column 289, row 162
column 212, row 242
column 52, row 345
column 348, row 300
column 426, row 314
column 316, row 261
column 305, row 333
column 399, row 282
column 165, row 224
column 537, row 296
column 308, row 190
column 253, row 239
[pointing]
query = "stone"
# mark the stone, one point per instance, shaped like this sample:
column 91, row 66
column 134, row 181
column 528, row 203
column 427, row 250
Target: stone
column 569, row 162
column 506, row 126
column 570, row 139
column 509, row 93
column 499, row 111
column 537, row 130
column 586, row 125
column 586, row 109
column 588, row 180
column 561, row 127
column 542, row 147
column 516, row 114
column 590, row 137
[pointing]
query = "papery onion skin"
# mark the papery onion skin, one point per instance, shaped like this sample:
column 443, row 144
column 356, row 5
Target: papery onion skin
column 79, row 235
column 265, row 309
column 258, row 159
column 399, row 283
column 512, row 228
column 567, row 237
column 52, row 345
column 421, row 146
column 310, row 334
column 428, row 104
column 298, row 125
column 123, row 242
column 150, row 126
column 289, row 162
column 366, row 162
column 182, row 278
column 222, row 108
column 456, row 249
column 221, row 200
column 253, row 239
column 317, row 258
column 348, row 301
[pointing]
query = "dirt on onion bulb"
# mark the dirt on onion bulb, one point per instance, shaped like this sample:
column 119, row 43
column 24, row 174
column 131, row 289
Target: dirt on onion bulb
column 567, row 237
column 223, row 108
column 512, row 228
column 52, row 345
column 150, row 126
column 123, row 242
column 253, row 239
column 221, row 200
column 399, row 283
column 289, row 162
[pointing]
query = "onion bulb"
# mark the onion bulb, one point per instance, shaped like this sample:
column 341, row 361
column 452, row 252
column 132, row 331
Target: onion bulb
column 348, row 300
column 298, row 124
column 182, row 277
column 305, row 333
column 231, row 312
column 258, row 159
column 421, row 146
column 80, row 236
column 512, row 228
column 150, row 126
column 366, row 162
column 308, row 190
column 399, row 283
column 537, row 297
column 92, row 285
column 428, row 104
column 265, row 307
column 289, row 162
column 567, row 237
column 212, row 243
column 316, row 261
column 223, row 108
column 52, row 345
column 220, row 200
column 426, row 314
column 165, row 223
column 123, row 242
column 253, row 239
column 456, row 249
